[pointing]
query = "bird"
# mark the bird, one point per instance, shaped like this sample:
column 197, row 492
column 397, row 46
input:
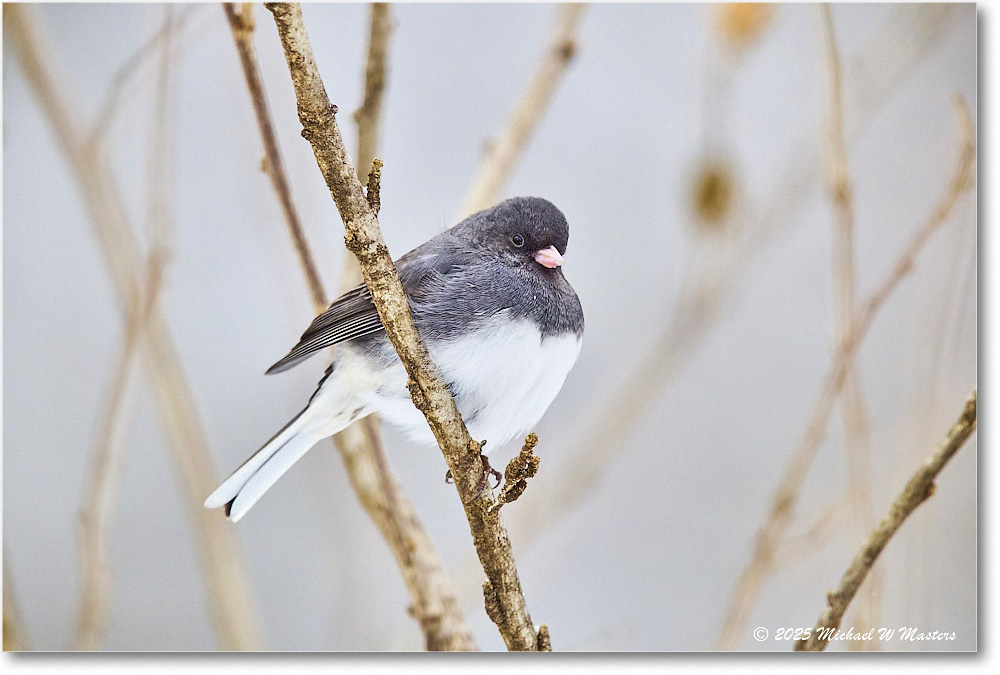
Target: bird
column 500, row 321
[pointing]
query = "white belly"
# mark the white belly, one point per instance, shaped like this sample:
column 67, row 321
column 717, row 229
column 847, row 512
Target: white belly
column 503, row 385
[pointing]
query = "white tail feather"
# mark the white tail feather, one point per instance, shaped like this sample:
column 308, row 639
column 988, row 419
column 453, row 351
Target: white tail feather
column 334, row 405
column 232, row 485
column 268, row 474
column 263, row 469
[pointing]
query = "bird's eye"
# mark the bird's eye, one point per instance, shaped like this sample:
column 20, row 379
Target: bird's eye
column 517, row 240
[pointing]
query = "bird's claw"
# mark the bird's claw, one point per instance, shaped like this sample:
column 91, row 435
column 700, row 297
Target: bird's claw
column 483, row 482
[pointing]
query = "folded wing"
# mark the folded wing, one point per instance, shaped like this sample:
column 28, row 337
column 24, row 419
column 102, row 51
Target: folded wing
column 352, row 315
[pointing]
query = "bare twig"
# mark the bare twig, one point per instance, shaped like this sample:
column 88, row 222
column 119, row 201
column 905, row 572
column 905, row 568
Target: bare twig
column 119, row 83
column 783, row 503
column 502, row 154
column 432, row 598
column 369, row 116
column 813, row 539
column 232, row 611
column 14, row 638
column 364, row 239
column 242, row 26
column 852, row 404
column 161, row 170
column 714, row 281
column 96, row 516
column 101, row 501
column 919, row 488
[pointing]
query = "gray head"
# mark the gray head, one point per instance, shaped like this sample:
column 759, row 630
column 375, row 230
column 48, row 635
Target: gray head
column 522, row 230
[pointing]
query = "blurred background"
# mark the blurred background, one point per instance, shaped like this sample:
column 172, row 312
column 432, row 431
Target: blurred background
column 687, row 146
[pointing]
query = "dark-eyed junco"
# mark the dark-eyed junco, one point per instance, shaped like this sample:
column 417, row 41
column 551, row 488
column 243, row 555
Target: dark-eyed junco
column 499, row 319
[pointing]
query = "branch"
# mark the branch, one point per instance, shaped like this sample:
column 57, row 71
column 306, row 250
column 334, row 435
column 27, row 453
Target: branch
column 232, row 611
column 432, row 599
column 502, row 154
column 783, row 502
column 852, row 406
column 364, row 239
column 917, row 490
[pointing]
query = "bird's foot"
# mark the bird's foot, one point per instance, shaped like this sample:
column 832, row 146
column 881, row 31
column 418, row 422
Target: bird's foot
column 484, row 481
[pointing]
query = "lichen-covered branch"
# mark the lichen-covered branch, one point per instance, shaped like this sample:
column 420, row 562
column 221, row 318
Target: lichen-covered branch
column 785, row 497
column 519, row 470
column 503, row 153
column 919, row 488
column 432, row 599
column 233, row 613
column 364, row 239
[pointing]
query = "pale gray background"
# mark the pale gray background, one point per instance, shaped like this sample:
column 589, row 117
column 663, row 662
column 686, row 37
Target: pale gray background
column 649, row 560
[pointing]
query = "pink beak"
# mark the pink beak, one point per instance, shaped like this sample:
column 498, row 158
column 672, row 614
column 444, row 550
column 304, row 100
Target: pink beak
column 548, row 257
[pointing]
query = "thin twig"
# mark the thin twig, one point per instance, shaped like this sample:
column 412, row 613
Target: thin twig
column 783, row 503
column 852, row 404
column 100, row 503
column 714, row 282
column 102, row 123
column 502, row 154
column 919, row 488
column 14, row 638
column 364, row 239
column 233, row 613
column 161, row 170
column 242, row 26
column 369, row 116
column 360, row 447
column 813, row 539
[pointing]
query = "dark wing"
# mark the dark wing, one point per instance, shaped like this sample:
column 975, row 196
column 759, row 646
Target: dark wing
column 352, row 315
column 423, row 273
